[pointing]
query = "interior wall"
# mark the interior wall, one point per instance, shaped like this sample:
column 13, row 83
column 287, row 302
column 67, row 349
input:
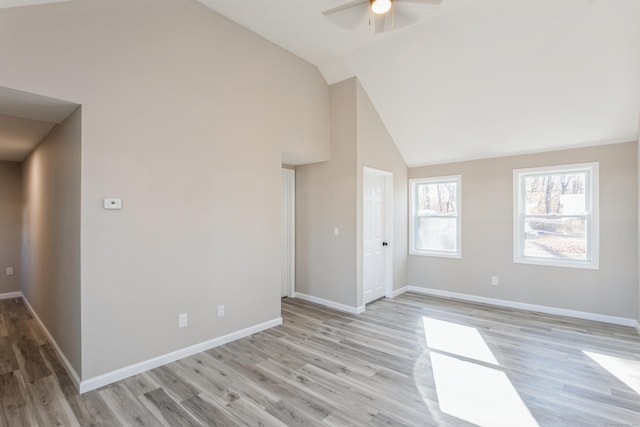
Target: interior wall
column 51, row 235
column 185, row 117
column 377, row 149
column 487, row 242
column 330, row 194
column 10, row 225
column 326, row 195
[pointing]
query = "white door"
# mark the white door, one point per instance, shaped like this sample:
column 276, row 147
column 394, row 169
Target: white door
column 374, row 234
column 288, row 230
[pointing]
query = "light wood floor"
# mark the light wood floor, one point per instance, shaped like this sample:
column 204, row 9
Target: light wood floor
column 414, row 360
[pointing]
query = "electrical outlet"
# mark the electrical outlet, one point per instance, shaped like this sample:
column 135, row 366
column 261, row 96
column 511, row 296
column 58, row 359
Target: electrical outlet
column 182, row 320
column 495, row 280
column 9, row 271
column 221, row 311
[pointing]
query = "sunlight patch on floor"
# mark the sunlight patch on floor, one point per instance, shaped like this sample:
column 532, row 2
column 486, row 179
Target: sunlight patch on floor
column 470, row 390
column 627, row 371
column 457, row 339
column 478, row 394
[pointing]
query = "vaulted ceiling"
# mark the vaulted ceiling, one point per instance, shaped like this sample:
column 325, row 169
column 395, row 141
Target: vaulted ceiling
column 470, row 79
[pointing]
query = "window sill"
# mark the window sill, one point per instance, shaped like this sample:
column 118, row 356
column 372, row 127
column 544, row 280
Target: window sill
column 454, row 255
column 583, row 265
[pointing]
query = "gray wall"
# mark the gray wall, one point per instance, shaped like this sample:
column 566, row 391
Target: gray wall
column 330, row 194
column 326, row 265
column 185, row 116
column 376, row 149
column 487, row 229
column 10, row 224
column 51, row 235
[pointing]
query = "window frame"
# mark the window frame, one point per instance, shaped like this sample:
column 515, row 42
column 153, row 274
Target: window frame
column 592, row 229
column 413, row 183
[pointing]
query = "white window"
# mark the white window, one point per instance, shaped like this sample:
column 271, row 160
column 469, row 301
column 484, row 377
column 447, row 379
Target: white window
column 555, row 216
column 434, row 222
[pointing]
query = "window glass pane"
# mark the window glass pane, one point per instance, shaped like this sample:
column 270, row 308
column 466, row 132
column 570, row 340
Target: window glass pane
column 559, row 194
column 437, row 198
column 557, row 238
column 436, row 233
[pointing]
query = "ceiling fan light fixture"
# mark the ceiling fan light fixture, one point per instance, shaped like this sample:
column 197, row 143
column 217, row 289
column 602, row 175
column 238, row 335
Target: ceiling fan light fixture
column 380, row 7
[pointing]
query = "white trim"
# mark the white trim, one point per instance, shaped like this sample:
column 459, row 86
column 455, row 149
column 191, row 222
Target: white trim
column 398, row 292
column 75, row 378
column 138, row 368
column 524, row 306
column 592, row 192
column 457, row 254
column 10, row 295
column 331, row 304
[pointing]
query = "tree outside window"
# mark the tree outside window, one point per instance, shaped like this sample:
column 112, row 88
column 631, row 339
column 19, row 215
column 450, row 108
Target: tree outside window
column 555, row 215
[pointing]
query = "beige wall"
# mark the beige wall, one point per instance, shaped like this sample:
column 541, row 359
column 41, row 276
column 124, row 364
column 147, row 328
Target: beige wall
column 51, row 235
column 10, row 224
column 185, row 116
column 376, row 149
column 326, row 265
column 487, row 230
column 330, row 195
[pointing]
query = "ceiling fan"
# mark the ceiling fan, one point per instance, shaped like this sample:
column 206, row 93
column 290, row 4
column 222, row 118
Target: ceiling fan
column 378, row 9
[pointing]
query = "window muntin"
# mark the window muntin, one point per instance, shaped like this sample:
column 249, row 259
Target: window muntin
column 435, row 216
column 555, row 216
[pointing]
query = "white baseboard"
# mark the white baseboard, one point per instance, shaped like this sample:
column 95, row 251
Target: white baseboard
column 75, row 378
column 530, row 307
column 10, row 295
column 397, row 292
column 331, row 304
column 138, row 368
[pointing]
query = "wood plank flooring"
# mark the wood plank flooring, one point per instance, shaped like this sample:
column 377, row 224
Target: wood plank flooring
column 411, row 361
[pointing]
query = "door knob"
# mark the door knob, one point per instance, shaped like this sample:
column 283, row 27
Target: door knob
column 385, row 244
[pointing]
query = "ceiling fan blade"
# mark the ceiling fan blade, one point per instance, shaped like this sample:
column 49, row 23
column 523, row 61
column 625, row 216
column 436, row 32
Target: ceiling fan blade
column 346, row 6
column 402, row 19
column 419, row 1
column 378, row 23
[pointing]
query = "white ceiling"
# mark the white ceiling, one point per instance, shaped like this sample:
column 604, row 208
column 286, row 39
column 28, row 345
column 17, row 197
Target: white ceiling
column 19, row 136
column 473, row 79
column 470, row 79
column 25, row 119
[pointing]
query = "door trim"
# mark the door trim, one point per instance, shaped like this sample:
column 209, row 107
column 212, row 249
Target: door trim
column 290, row 176
column 388, row 279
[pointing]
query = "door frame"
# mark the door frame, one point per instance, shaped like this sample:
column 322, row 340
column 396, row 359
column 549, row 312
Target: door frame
column 290, row 242
column 388, row 227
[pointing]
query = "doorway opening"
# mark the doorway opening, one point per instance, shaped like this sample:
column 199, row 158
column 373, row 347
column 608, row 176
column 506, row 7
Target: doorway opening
column 288, row 251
